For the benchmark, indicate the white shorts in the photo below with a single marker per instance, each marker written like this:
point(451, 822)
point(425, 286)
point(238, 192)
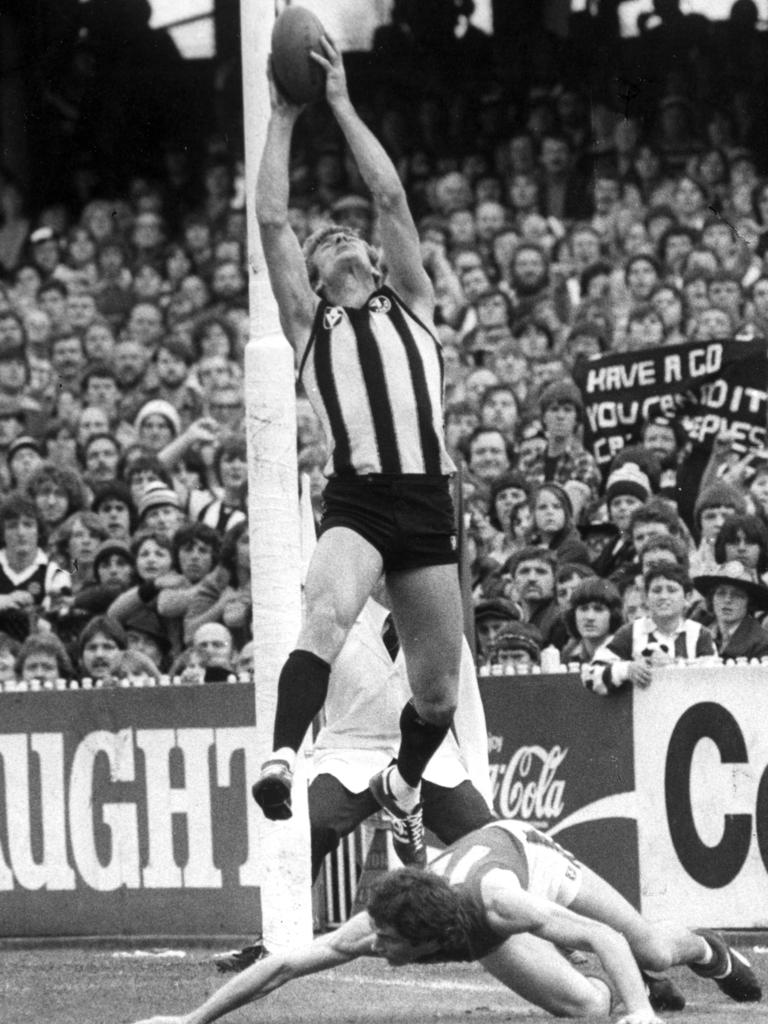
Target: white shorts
point(553, 873)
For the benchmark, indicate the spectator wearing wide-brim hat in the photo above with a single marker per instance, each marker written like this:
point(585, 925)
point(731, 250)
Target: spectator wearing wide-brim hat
point(733, 595)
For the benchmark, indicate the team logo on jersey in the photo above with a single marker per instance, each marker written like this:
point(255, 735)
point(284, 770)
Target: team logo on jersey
point(332, 317)
point(379, 304)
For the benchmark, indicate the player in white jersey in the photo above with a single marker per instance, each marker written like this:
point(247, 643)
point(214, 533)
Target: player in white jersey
point(372, 367)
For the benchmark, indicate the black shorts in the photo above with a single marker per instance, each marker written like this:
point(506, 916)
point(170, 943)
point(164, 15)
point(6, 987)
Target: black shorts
point(409, 519)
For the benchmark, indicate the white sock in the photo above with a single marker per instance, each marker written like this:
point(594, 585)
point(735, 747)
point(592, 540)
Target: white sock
point(285, 754)
point(708, 957)
point(406, 796)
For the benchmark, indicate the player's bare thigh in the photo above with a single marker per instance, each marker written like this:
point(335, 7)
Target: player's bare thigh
point(535, 970)
point(428, 614)
point(342, 572)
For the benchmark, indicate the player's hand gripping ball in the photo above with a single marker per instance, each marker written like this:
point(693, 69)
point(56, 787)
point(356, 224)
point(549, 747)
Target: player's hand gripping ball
point(295, 34)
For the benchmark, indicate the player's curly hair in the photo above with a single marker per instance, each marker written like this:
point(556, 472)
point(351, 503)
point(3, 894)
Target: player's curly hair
point(424, 907)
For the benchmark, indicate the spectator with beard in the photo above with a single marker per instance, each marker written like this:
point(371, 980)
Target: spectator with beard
point(131, 362)
point(172, 362)
point(101, 455)
point(667, 440)
point(68, 361)
point(529, 277)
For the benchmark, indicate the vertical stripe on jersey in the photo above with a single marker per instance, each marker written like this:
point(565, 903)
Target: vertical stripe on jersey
point(372, 366)
point(430, 444)
point(342, 462)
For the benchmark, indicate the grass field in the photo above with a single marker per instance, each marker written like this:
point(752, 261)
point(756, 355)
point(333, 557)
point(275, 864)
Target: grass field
point(104, 986)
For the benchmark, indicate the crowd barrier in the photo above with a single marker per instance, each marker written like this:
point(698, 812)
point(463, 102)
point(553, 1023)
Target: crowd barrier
point(127, 811)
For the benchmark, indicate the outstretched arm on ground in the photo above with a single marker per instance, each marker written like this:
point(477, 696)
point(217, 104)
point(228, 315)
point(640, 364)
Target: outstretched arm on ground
point(352, 940)
point(284, 259)
point(511, 910)
point(399, 237)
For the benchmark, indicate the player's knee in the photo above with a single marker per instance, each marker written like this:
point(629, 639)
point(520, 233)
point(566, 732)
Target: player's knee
point(654, 953)
point(438, 709)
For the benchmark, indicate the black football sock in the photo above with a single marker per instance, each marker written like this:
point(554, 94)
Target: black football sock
point(418, 742)
point(301, 692)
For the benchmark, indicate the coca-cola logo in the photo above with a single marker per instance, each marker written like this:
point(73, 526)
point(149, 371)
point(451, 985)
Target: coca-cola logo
point(526, 786)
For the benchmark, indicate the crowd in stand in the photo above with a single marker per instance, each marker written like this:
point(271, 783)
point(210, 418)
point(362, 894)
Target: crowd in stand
point(574, 232)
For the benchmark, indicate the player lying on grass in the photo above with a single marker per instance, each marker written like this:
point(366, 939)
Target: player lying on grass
point(505, 895)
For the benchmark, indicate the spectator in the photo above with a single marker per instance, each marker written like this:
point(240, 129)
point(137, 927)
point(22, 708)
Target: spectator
point(101, 456)
point(101, 646)
point(592, 618)
point(44, 657)
point(230, 467)
point(517, 647)
point(76, 542)
point(733, 596)
point(146, 634)
point(509, 514)
point(533, 577)
point(112, 503)
point(564, 460)
point(491, 616)
point(489, 454)
point(713, 506)
point(30, 584)
point(57, 492)
point(160, 510)
point(627, 489)
point(224, 595)
point(212, 643)
point(744, 538)
point(553, 525)
point(658, 638)
point(25, 457)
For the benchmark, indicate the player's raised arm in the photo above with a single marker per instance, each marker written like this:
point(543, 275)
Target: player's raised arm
point(353, 939)
point(399, 237)
point(511, 910)
point(285, 261)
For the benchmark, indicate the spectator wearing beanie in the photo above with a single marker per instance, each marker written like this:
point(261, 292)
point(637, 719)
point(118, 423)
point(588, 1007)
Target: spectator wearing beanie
point(565, 460)
point(627, 489)
point(594, 615)
point(156, 425)
point(517, 647)
point(160, 510)
point(713, 506)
